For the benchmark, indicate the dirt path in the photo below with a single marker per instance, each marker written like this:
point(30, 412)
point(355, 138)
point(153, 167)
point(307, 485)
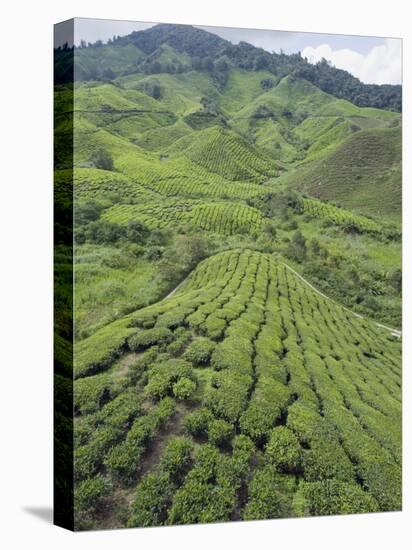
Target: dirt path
point(395, 332)
point(174, 290)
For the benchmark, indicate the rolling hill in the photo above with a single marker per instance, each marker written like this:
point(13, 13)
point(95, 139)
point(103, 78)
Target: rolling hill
point(363, 173)
point(237, 280)
point(244, 355)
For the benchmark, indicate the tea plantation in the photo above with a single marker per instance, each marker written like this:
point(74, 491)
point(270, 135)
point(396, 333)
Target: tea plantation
point(238, 285)
point(246, 394)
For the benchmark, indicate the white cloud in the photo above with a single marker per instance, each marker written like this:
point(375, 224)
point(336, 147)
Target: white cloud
point(381, 65)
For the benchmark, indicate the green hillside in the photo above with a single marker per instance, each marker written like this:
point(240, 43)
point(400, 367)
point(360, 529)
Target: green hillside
point(363, 173)
point(248, 377)
point(237, 282)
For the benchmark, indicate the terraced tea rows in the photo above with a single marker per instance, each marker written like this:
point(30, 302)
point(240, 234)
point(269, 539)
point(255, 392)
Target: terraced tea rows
point(267, 385)
point(155, 215)
point(339, 216)
point(208, 188)
point(227, 154)
point(91, 183)
point(226, 218)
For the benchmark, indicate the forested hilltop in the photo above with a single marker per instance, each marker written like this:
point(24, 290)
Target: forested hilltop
point(199, 49)
point(238, 285)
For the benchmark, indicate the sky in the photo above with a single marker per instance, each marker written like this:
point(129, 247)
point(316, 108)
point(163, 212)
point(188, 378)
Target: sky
point(374, 60)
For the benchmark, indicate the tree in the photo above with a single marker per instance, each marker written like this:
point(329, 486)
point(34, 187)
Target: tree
point(196, 63)
point(267, 83)
point(108, 74)
point(315, 247)
point(261, 62)
point(137, 232)
point(297, 247)
point(102, 159)
point(270, 229)
point(396, 280)
point(208, 64)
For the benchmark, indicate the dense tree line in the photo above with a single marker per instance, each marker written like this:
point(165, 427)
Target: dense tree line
point(209, 52)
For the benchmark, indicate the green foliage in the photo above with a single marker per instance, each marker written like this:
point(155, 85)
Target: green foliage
point(283, 450)
point(297, 249)
point(350, 223)
point(87, 212)
point(208, 493)
point(152, 499)
point(90, 492)
point(100, 232)
point(177, 457)
point(270, 495)
point(171, 376)
point(150, 337)
point(220, 432)
point(102, 159)
point(123, 460)
point(184, 388)
point(187, 151)
point(137, 232)
point(333, 497)
point(199, 351)
point(197, 422)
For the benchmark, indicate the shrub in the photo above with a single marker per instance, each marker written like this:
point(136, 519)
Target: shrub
point(220, 432)
point(137, 232)
point(92, 393)
point(214, 327)
point(283, 449)
point(326, 459)
point(184, 388)
point(266, 406)
point(149, 337)
point(89, 457)
point(172, 319)
point(103, 232)
point(228, 394)
point(199, 351)
point(267, 83)
point(87, 212)
point(121, 410)
point(157, 387)
point(270, 495)
point(123, 460)
point(331, 497)
point(203, 497)
point(102, 159)
point(152, 499)
point(164, 410)
point(233, 353)
point(200, 502)
point(297, 249)
point(197, 422)
point(164, 375)
point(89, 493)
point(177, 346)
point(176, 457)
